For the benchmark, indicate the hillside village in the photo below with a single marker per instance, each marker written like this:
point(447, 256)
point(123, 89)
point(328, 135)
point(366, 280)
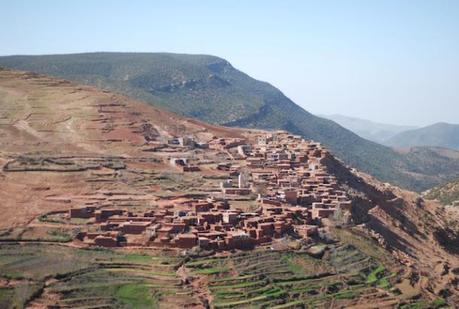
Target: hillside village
point(241, 155)
point(102, 190)
point(282, 172)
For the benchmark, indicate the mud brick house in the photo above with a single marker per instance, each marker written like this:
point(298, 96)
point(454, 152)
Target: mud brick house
point(243, 150)
point(186, 141)
point(226, 143)
point(105, 241)
point(209, 217)
point(318, 213)
point(186, 241)
point(231, 217)
point(237, 191)
point(204, 242)
point(255, 162)
point(178, 161)
point(104, 214)
point(134, 227)
point(201, 206)
point(224, 166)
point(102, 239)
point(239, 240)
point(265, 201)
point(306, 230)
point(190, 168)
point(82, 212)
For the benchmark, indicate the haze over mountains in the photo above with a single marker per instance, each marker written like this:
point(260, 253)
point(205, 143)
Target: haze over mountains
point(373, 131)
point(436, 135)
point(439, 134)
point(211, 89)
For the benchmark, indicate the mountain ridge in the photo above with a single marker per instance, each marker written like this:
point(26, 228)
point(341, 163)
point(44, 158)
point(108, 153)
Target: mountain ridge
point(440, 134)
point(374, 131)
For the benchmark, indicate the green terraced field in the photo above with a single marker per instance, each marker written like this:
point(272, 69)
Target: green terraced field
point(269, 279)
point(80, 278)
point(44, 274)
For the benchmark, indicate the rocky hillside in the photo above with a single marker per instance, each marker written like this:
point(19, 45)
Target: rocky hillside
point(438, 135)
point(211, 89)
point(422, 235)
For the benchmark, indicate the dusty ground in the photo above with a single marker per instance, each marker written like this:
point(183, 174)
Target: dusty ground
point(44, 117)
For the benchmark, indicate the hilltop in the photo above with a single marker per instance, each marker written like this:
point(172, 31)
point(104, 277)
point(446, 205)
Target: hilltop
point(211, 89)
point(438, 135)
point(84, 168)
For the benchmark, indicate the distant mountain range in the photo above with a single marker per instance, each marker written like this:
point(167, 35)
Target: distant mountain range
point(373, 131)
point(439, 135)
point(211, 89)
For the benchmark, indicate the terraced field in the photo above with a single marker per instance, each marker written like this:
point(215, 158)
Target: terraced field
point(344, 277)
point(36, 275)
point(40, 275)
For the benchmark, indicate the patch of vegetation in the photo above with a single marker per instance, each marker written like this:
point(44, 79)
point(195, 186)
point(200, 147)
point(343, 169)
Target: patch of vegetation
point(138, 258)
point(88, 277)
point(376, 274)
point(349, 294)
point(137, 296)
point(49, 219)
point(420, 304)
point(438, 303)
point(6, 297)
point(20, 294)
point(60, 235)
point(210, 271)
point(265, 279)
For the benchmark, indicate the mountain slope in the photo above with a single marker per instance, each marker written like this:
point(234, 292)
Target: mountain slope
point(73, 131)
point(438, 135)
point(210, 89)
point(72, 146)
point(447, 193)
point(373, 131)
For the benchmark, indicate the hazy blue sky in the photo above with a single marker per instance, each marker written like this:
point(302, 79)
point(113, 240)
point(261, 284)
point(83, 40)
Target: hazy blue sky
point(389, 61)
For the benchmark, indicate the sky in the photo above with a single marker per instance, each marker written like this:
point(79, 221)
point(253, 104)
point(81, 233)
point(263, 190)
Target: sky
point(392, 61)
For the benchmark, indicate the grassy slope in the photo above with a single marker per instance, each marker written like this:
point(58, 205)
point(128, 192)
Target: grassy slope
point(209, 88)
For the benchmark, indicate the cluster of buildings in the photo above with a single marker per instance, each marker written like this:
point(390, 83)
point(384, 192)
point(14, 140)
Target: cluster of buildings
point(287, 169)
point(208, 224)
point(282, 173)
